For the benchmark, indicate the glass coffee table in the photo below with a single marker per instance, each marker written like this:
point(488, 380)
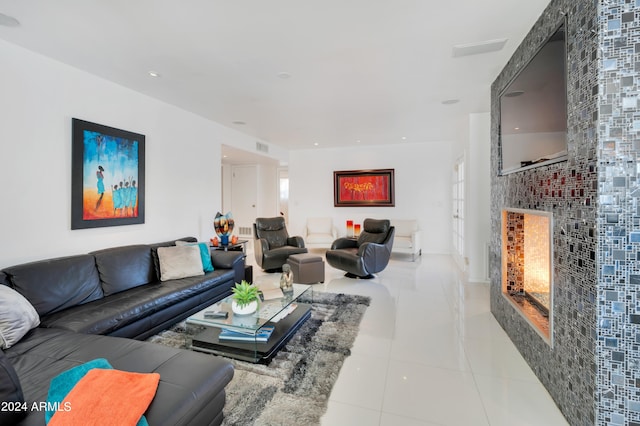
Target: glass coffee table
point(244, 336)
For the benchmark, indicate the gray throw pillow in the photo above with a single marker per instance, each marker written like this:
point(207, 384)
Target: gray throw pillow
point(179, 262)
point(17, 317)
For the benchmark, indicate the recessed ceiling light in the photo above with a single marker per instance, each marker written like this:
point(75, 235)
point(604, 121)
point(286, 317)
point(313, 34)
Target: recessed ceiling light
point(8, 21)
point(284, 75)
point(404, 138)
point(154, 74)
point(450, 101)
point(358, 141)
point(316, 144)
point(239, 122)
point(516, 128)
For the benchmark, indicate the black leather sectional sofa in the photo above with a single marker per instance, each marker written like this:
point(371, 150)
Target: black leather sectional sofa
point(99, 305)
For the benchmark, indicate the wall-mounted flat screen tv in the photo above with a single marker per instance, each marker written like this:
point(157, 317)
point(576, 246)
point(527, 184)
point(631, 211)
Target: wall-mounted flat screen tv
point(533, 110)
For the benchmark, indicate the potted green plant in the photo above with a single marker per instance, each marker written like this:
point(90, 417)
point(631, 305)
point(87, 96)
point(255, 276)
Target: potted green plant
point(245, 298)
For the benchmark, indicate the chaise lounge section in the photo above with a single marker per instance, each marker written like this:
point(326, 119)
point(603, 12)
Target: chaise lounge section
point(191, 388)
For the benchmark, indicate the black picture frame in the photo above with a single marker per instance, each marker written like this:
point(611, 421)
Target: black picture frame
point(107, 176)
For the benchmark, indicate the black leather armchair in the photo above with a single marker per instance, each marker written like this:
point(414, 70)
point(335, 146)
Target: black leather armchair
point(272, 243)
point(368, 254)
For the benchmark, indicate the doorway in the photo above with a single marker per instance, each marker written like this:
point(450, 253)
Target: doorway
point(458, 209)
point(250, 187)
point(244, 194)
point(283, 188)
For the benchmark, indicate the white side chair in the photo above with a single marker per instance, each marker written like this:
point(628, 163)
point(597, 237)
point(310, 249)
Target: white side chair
point(407, 239)
point(319, 232)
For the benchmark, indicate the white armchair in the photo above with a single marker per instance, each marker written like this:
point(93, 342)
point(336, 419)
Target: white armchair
point(319, 232)
point(407, 239)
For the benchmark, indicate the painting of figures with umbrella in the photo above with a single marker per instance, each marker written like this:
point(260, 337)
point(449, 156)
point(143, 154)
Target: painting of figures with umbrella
point(107, 176)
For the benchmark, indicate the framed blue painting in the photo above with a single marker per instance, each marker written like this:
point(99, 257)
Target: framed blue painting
point(107, 177)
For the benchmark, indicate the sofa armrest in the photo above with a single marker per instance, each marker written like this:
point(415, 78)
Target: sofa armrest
point(225, 259)
point(342, 243)
point(229, 260)
point(296, 241)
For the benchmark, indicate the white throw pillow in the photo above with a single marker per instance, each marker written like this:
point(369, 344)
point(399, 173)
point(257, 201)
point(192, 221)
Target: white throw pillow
point(17, 317)
point(179, 262)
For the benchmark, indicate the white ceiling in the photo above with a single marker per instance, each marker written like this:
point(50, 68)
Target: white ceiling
point(374, 71)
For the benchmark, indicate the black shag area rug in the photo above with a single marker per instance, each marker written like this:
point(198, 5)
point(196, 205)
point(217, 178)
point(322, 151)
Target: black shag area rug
point(294, 388)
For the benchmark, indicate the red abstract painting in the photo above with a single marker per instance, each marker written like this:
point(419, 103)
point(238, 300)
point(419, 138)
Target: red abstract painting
point(364, 188)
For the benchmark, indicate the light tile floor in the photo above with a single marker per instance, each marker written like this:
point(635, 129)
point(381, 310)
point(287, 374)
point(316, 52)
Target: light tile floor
point(430, 352)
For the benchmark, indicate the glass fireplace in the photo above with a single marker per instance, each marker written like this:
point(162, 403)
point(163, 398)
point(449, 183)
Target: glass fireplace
point(527, 270)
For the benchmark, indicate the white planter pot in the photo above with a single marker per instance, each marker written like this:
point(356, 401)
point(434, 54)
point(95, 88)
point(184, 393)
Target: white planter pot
point(244, 310)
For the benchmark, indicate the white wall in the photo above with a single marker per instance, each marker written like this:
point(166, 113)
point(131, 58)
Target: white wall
point(478, 189)
point(268, 190)
point(39, 98)
point(183, 193)
point(422, 187)
point(226, 187)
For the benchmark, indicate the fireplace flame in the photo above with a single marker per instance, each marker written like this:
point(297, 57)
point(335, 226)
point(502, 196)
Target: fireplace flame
point(537, 265)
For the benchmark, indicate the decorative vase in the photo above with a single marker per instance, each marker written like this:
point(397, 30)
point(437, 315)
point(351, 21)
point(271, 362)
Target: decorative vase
point(356, 230)
point(349, 228)
point(247, 309)
point(223, 225)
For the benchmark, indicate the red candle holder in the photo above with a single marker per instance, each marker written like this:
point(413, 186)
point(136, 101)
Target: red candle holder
point(356, 230)
point(349, 228)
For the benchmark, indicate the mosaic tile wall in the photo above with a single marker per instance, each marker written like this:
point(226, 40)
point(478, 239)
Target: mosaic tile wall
point(618, 344)
point(569, 190)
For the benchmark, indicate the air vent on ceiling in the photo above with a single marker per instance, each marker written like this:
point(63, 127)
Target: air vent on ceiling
point(262, 147)
point(478, 48)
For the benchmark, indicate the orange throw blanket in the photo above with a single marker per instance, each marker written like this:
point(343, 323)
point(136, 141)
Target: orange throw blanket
point(107, 397)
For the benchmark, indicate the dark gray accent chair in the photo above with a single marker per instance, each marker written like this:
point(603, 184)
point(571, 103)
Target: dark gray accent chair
point(272, 244)
point(367, 255)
